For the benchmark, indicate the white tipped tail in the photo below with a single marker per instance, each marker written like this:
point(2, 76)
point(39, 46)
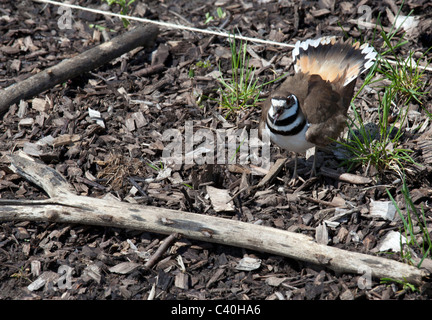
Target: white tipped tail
point(333, 60)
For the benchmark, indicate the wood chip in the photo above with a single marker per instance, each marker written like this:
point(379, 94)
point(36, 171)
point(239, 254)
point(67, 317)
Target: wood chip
point(40, 105)
point(26, 122)
point(383, 209)
point(21, 233)
point(140, 120)
point(273, 172)
point(130, 124)
point(347, 295)
point(426, 147)
point(275, 281)
point(47, 140)
point(32, 149)
point(96, 116)
point(338, 201)
point(92, 272)
point(35, 267)
point(219, 272)
point(391, 242)
point(342, 235)
point(346, 177)
point(248, 264)
point(65, 139)
point(15, 65)
point(320, 12)
point(235, 168)
point(220, 199)
point(42, 280)
point(321, 234)
point(182, 281)
point(124, 267)
point(421, 194)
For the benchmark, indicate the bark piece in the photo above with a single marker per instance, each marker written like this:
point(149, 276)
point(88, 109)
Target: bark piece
point(383, 209)
point(273, 172)
point(248, 264)
point(220, 199)
point(124, 267)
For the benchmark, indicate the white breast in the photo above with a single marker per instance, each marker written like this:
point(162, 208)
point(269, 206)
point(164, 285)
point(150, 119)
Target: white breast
point(296, 143)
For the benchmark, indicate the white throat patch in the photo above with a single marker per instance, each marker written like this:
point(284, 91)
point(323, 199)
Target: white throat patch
point(288, 112)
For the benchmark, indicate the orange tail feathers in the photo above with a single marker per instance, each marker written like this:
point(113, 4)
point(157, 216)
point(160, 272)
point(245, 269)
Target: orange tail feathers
point(333, 60)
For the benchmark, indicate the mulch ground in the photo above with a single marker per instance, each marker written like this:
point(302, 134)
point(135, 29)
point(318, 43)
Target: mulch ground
point(138, 102)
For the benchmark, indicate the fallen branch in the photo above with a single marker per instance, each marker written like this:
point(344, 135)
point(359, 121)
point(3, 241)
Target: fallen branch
point(84, 62)
point(67, 207)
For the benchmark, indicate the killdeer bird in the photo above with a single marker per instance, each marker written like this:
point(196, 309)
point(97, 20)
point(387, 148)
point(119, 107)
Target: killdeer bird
point(310, 107)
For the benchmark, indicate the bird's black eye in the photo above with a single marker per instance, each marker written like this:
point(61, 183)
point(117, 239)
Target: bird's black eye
point(291, 100)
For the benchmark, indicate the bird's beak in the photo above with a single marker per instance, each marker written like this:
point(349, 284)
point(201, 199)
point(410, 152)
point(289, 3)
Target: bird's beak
point(277, 113)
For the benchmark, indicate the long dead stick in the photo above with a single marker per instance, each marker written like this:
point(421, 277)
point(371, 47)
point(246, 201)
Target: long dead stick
point(91, 59)
point(67, 207)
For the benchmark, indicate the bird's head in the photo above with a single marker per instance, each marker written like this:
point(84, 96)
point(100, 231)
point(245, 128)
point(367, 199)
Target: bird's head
point(282, 107)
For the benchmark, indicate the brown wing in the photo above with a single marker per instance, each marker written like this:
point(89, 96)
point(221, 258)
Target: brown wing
point(321, 101)
point(325, 108)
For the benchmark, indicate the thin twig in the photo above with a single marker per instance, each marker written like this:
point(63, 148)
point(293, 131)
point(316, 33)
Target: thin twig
point(161, 250)
point(325, 203)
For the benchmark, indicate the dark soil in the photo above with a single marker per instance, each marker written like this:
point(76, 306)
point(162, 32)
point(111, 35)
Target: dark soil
point(77, 261)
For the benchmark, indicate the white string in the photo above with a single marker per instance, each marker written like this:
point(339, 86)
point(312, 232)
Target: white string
point(182, 27)
point(167, 24)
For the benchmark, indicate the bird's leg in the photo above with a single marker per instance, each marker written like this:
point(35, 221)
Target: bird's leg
point(312, 173)
point(295, 177)
point(313, 170)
